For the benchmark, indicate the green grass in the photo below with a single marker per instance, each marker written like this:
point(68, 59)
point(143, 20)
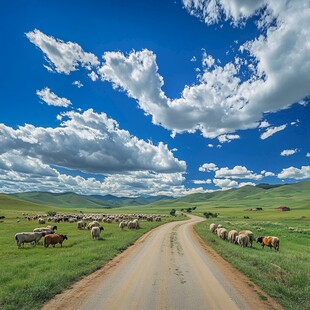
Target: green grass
point(285, 276)
point(32, 275)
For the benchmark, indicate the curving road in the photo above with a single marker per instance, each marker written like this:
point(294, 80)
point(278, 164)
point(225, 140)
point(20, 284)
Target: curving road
point(168, 268)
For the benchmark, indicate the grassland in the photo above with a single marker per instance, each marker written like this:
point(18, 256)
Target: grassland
point(32, 275)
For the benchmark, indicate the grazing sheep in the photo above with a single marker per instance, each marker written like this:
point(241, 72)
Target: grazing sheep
point(44, 229)
point(41, 220)
point(212, 228)
point(137, 223)
point(95, 232)
point(132, 225)
point(223, 233)
point(28, 237)
point(122, 225)
point(218, 231)
point(243, 240)
point(51, 227)
point(54, 239)
point(271, 242)
point(81, 224)
point(232, 235)
point(93, 224)
point(248, 233)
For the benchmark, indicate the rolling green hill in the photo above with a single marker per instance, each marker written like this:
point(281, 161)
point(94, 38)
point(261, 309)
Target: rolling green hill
point(264, 194)
point(69, 200)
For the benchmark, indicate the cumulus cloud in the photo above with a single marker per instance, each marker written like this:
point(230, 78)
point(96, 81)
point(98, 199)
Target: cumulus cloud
point(267, 173)
point(288, 152)
point(33, 174)
point(63, 57)
point(89, 142)
point(295, 173)
point(271, 131)
point(238, 172)
point(308, 154)
point(208, 167)
point(221, 102)
point(50, 98)
point(225, 183)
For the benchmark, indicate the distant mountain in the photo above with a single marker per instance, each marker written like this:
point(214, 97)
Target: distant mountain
point(264, 192)
point(69, 200)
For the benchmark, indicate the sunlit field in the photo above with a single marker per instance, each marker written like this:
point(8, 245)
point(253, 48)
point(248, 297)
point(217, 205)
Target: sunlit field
point(31, 275)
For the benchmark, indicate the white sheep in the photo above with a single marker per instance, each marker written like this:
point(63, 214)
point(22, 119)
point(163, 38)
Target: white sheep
point(95, 232)
point(249, 234)
point(28, 237)
point(41, 220)
point(223, 233)
point(81, 224)
point(232, 235)
point(93, 224)
point(243, 240)
point(212, 227)
point(122, 225)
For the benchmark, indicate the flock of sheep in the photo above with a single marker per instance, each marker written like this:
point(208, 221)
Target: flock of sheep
point(91, 222)
point(244, 238)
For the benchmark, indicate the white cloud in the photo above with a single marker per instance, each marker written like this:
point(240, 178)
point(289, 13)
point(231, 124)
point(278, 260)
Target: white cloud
point(221, 102)
point(19, 174)
point(210, 145)
point(227, 138)
point(289, 152)
point(308, 154)
point(295, 173)
point(207, 60)
point(225, 183)
point(208, 181)
point(89, 142)
point(238, 172)
point(246, 184)
point(264, 124)
point(78, 84)
point(50, 98)
point(93, 76)
point(267, 173)
point(210, 11)
point(271, 131)
point(63, 57)
point(208, 167)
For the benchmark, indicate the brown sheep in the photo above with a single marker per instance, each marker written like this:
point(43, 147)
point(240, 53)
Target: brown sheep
point(271, 242)
point(54, 239)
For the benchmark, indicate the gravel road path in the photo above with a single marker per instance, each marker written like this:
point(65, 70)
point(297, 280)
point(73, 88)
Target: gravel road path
point(168, 268)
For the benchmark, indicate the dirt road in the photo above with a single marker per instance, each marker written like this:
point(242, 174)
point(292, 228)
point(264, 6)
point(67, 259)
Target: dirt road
point(168, 268)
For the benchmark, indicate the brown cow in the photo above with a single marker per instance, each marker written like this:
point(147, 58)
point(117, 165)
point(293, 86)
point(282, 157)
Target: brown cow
point(271, 242)
point(54, 239)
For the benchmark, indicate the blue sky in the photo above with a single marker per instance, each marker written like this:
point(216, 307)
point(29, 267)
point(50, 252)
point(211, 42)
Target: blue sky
point(153, 97)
